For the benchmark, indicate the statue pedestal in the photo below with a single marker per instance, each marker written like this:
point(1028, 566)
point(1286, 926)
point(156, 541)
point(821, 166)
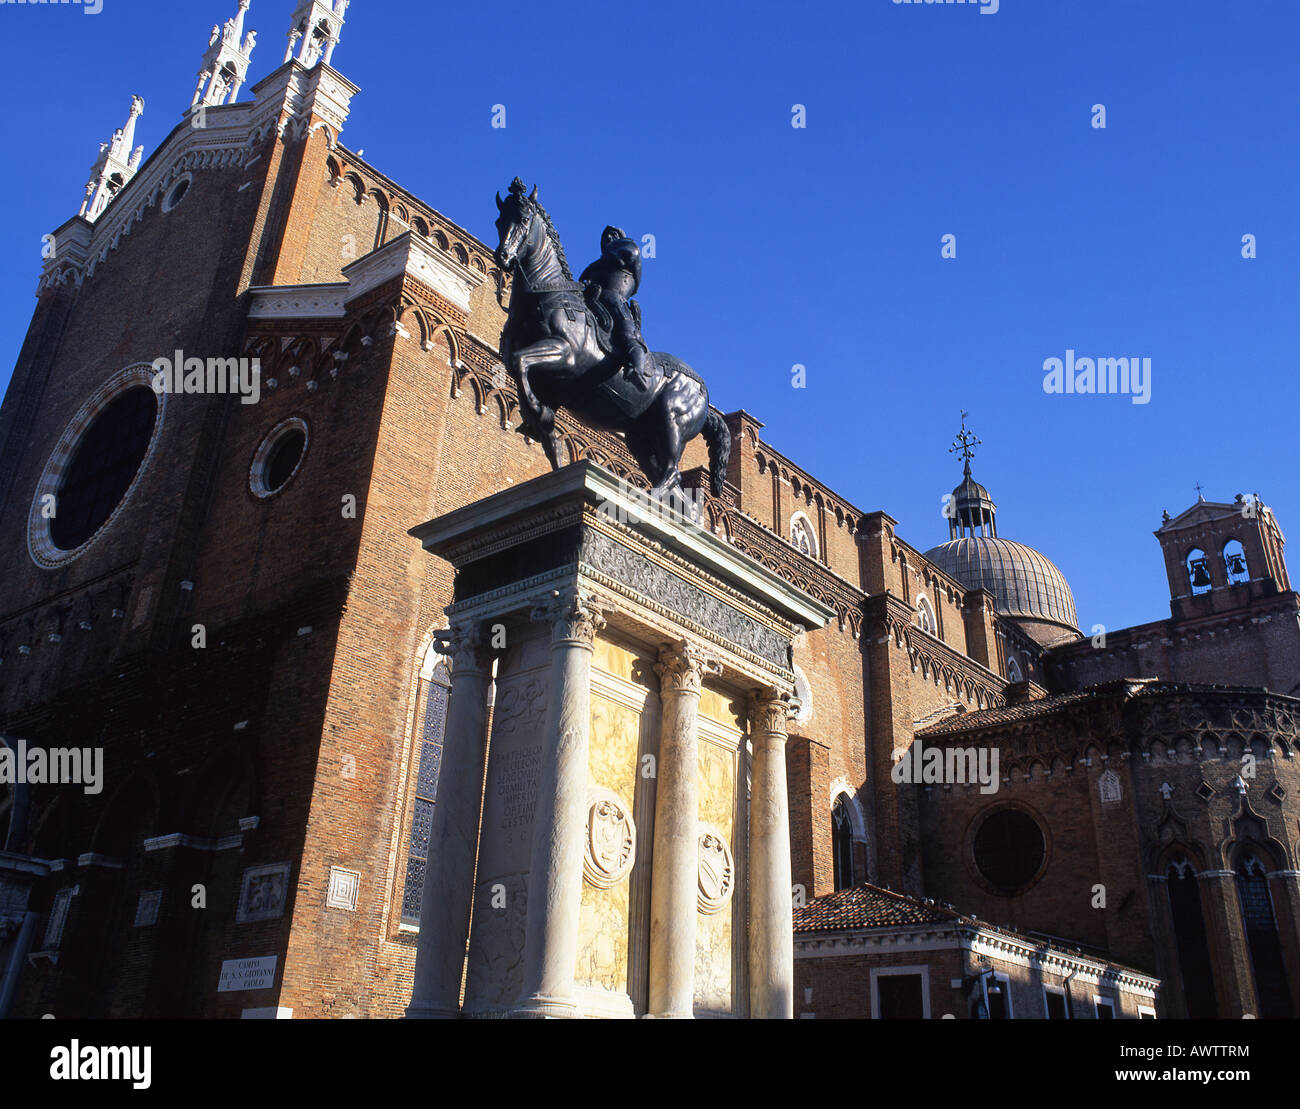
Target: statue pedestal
point(633, 784)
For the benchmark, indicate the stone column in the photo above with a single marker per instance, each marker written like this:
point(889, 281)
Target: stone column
point(1284, 888)
point(1226, 935)
point(448, 897)
point(676, 859)
point(555, 872)
point(771, 914)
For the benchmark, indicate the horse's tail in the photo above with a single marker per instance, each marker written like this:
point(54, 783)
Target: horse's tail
point(718, 436)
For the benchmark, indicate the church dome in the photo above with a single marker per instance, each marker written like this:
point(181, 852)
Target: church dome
point(1026, 587)
point(1024, 584)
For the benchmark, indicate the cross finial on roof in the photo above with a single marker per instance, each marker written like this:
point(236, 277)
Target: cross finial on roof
point(965, 443)
point(1199, 495)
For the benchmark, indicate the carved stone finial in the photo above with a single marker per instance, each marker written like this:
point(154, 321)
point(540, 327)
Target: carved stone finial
point(317, 27)
point(115, 166)
point(225, 63)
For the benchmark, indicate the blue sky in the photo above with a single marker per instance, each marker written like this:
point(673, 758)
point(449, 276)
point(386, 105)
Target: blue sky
point(821, 245)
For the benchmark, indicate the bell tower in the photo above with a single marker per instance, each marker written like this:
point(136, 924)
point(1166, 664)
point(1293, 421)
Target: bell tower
point(1221, 556)
point(317, 26)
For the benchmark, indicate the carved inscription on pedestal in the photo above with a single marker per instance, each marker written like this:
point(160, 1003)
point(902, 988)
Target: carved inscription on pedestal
point(516, 786)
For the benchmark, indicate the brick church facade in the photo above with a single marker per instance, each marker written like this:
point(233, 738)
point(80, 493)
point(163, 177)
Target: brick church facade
point(215, 586)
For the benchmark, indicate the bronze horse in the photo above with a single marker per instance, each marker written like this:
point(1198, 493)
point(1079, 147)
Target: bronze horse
point(550, 346)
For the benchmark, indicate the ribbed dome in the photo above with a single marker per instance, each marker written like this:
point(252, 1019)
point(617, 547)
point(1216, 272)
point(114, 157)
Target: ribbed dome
point(1022, 581)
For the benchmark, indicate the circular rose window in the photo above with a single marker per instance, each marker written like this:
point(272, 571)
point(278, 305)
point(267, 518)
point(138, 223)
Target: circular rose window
point(278, 458)
point(1009, 850)
point(95, 466)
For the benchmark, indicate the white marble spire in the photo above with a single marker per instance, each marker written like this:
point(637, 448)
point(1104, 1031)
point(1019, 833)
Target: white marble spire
point(225, 64)
point(317, 25)
point(115, 166)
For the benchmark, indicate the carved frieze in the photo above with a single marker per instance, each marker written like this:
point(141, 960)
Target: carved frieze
point(654, 581)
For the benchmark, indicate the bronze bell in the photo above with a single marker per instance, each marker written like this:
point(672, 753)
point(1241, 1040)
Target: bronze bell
point(1236, 564)
point(1200, 574)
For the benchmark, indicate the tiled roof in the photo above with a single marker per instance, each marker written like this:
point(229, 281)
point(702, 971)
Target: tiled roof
point(868, 906)
point(1120, 689)
point(1028, 710)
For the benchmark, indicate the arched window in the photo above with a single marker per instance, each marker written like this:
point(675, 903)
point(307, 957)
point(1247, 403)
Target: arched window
point(925, 615)
point(1013, 671)
point(1190, 939)
point(802, 534)
point(1261, 937)
point(431, 724)
point(1198, 571)
point(1234, 562)
point(842, 842)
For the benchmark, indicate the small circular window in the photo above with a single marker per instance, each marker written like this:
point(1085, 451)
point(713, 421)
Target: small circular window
point(177, 193)
point(94, 467)
point(1009, 849)
point(278, 458)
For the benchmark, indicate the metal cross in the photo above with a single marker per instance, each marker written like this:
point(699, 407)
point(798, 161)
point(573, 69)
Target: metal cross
point(965, 443)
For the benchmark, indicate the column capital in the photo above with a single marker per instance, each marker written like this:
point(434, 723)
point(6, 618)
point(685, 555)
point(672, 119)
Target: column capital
point(574, 619)
point(466, 645)
point(769, 712)
point(683, 665)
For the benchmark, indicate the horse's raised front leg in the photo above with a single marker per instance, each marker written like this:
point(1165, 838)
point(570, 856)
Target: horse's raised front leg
point(539, 419)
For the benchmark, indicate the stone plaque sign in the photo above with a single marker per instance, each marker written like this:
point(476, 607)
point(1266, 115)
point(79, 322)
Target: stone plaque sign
point(247, 974)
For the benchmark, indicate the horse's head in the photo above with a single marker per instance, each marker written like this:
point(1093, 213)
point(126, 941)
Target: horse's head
point(515, 223)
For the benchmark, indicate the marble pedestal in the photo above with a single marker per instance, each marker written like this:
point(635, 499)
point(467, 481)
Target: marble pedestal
point(591, 855)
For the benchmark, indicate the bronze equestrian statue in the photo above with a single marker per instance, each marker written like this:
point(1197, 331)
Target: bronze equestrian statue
point(581, 349)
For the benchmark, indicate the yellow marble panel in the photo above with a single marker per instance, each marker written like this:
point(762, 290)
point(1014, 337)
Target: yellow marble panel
point(603, 933)
point(716, 706)
point(713, 938)
point(613, 659)
point(718, 787)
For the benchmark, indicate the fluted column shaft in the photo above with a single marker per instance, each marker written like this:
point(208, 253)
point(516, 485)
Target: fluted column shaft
point(448, 898)
point(771, 914)
point(555, 881)
point(676, 858)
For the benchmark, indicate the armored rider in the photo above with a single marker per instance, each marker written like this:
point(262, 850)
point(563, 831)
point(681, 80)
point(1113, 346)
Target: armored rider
point(614, 279)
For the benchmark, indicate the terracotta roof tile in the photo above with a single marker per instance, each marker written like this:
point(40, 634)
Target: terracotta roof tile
point(868, 906)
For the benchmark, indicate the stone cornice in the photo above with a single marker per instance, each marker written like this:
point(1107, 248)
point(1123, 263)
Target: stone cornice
point(405, 256)
point(978, 940)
